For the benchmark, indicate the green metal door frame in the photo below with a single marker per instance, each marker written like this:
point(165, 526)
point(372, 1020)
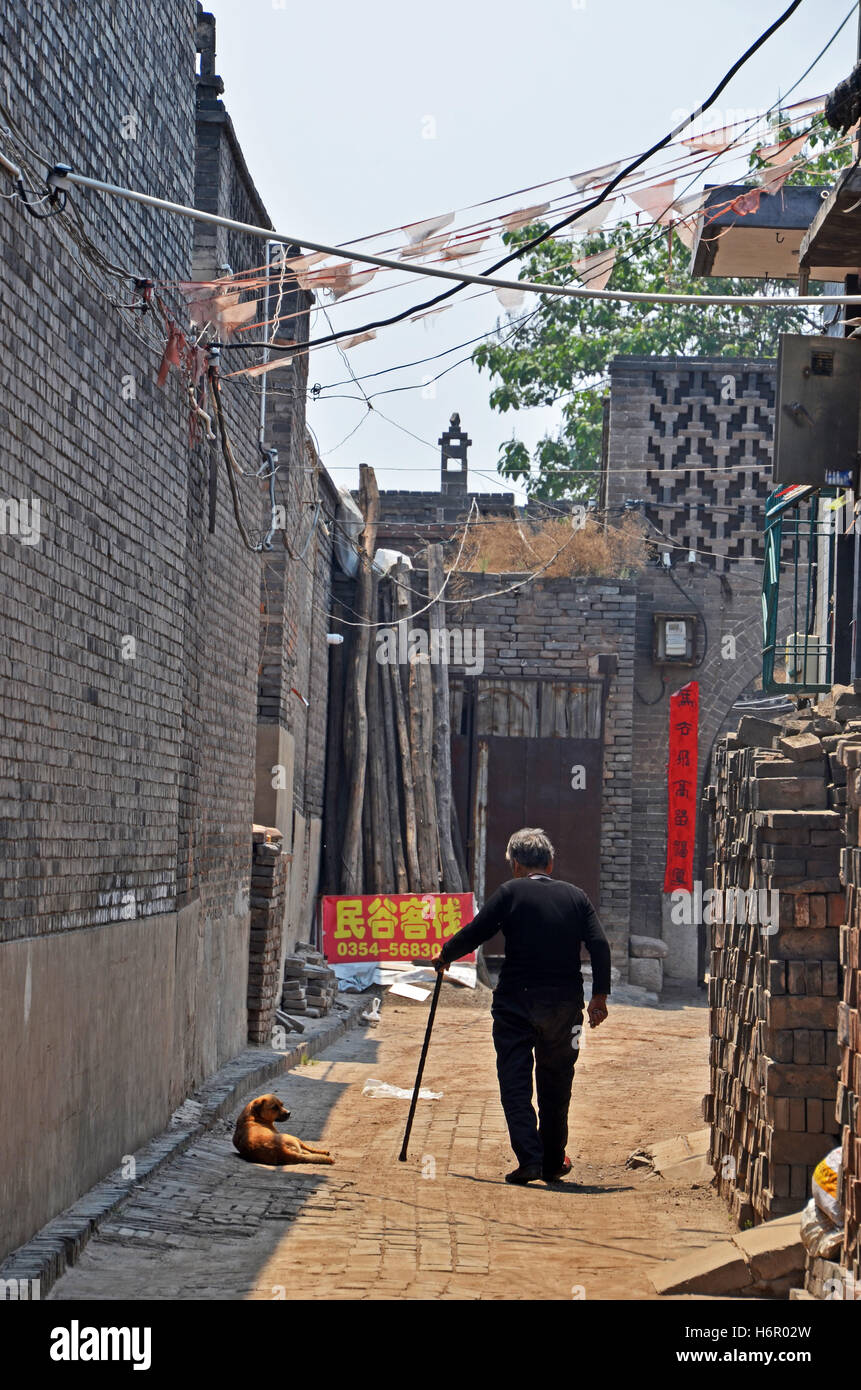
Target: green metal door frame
point(794, 522)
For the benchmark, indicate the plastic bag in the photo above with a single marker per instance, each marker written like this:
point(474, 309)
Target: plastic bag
point(820, 1238)
point(826, 1184)
point(381, 1090)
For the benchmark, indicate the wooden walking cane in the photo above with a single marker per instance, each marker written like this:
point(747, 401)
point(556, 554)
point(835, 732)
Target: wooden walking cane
point(402, 1156)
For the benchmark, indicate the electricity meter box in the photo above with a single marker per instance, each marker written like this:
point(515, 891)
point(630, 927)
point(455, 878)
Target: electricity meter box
point(816, 417)
point(673, 639)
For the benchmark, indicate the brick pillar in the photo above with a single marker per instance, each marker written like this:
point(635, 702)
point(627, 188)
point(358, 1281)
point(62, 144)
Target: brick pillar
point(848, 1108)
point(268, 897)
point(773, 986)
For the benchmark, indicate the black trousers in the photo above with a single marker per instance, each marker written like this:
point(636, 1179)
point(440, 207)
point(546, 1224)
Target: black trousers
point(539, 1027)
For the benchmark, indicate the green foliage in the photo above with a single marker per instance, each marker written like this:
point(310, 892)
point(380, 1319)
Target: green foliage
point(560, 351)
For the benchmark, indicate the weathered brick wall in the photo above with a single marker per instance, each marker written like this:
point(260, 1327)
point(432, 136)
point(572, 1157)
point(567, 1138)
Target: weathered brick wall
point(786, 1046)
point(293, 683)
point(689, 445)
point(558, 628)
point(774, 978)
point(848, 1108)
point(94, 741)
point(728, 650)
point(295, 574)
point(126, 792)
point(408, 520)
point(295, 606)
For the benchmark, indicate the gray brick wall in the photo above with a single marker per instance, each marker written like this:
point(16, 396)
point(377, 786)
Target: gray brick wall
point(126, 785)
point(94, 743)
point(700, 466)
point(557, 628)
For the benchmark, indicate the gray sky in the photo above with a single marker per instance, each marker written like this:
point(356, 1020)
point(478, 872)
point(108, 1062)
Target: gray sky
point(358, 119)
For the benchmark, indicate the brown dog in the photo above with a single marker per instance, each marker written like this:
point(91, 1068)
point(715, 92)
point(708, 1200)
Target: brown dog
point(257, 1139)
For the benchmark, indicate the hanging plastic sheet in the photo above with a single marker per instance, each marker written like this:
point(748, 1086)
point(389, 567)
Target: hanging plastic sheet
point(232, 318)
point(508, 298)
point(359, 338)
point(458, 250)
point(604, 171)
point(782, 152)
point(596, 270)
point(593, 219)
point(261, 368)
point(713, 142)
point(423, 249)
point(773, 181)
point(420, 231)
point(686, 216)
point(656, 200)
point(513, 221)
point(354, 282)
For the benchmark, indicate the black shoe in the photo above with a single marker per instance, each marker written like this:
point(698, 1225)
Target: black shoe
point(521, 1176)
point(559, 1172)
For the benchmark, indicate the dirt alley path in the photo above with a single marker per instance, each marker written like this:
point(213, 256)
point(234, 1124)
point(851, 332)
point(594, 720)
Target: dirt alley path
point(443, 1225)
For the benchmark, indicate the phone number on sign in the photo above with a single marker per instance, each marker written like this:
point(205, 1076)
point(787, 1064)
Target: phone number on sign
point(402, 948)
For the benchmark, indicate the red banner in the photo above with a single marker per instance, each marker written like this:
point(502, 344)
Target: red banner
point(400, 927)
point(682, 787)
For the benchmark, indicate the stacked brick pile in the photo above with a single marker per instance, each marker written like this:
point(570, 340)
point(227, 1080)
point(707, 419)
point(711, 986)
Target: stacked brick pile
point(773, 987)
point(848, 1107)
point(268, 900)
point(310, 985)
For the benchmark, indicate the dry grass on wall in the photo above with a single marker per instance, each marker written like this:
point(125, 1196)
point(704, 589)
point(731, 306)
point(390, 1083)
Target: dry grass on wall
point(505, 546)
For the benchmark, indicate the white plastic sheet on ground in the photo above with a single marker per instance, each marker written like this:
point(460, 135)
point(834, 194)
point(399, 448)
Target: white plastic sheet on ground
point(381, 1090)
point(409, 991)
point(360, 975)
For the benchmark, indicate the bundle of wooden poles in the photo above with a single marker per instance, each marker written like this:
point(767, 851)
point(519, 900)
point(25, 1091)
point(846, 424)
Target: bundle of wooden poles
point(391, 822)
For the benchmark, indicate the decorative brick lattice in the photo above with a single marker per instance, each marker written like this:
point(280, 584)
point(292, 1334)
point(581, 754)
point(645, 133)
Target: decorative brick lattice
point(709, 459)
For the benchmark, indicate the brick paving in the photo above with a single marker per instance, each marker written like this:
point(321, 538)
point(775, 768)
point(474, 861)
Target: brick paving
point(443, 1225)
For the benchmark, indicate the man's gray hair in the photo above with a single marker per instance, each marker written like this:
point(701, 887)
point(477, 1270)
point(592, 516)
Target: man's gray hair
point(529, 847)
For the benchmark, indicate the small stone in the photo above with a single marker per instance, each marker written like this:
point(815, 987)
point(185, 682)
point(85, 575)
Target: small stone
point(648, 947)
point(718, 1269)
point(800, 748)
point(774, 1249)
point(647, 973)
point(757, 733)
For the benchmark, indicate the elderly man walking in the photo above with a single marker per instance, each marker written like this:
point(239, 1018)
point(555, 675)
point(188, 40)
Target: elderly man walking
point(538, 1003)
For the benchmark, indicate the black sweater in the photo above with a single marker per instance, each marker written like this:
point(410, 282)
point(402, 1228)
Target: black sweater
point(544, 921)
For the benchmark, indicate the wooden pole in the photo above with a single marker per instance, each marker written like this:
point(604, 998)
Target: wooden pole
point(369, 501)
point(421, 743)
point(451, 875)
point(334, 764)
point(378, 845)
point(392, 771)
point(410, 827)
point(457, 842)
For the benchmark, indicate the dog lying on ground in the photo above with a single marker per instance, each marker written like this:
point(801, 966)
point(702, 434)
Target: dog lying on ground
point(257, 1139)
